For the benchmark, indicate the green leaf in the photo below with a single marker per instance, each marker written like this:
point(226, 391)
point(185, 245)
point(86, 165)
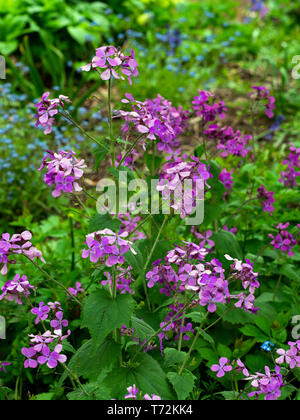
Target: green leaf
point(196, 316)
point(226, 243)
point(289, 272)
point(207, 338)
point(146, 374)
point(253, 331)
point(238, 316)
point(183, 384)
point(104, 221)
point(102, 314)
point(90, 392)
point(87, 364)
point(141, 329)
point(173, 357)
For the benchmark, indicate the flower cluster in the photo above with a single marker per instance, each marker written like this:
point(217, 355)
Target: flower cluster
point(291, 356)
point(269, 383)
point(113, 63)
point(184, 182)
point(156, 119)
point(16, 289)
point(129, 225)
point(178, 326)
point(129, 160)
point(133, 392)
point(262, 93)
point(17, 244)
point(226, 178)
point(267, 198)
point(47, 109)
point(47, 348)
point(108, 247)
point(124, 280)
point(283, 240)
point(244, 272)
point(230, 142)
point(289, 175)
point(205, 107)
point(64, 170)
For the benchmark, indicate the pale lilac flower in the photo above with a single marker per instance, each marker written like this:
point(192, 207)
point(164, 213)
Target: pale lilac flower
point(47, 109)
point(77, 290)
point(58, 323)
point(3, 366)
point(153, 397)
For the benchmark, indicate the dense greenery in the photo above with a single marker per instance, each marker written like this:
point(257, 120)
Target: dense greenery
point(124, 330)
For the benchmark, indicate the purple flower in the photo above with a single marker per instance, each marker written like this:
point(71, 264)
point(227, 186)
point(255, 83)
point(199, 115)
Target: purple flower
point(41, 312)
point(283, 240)
point(153, 397)
point(3, 366)
point(47, 109)
point(16, 244)
point(222, 368)
point(268, 196)
point(15, 289)
point(114, 63)
point(230, 142)
point(78, 289)
point(290, 174)
point(64, 170)
point(262, 93)
point(206, 108)
point(58, 323)
point(52, 358)
point(156, 119)
point(226, 178)
point(290, 356)
point(29, 354)
point(132, 392)
point(108, 247)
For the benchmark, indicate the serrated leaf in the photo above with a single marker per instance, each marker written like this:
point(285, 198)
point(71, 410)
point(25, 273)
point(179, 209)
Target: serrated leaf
point(183, 384)
point(141, 329)
point(88, 364)
point(173, 357)
point(147, 375)
point(102, 314)
point(104, 221)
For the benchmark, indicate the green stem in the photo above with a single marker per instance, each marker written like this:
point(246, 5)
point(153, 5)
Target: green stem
point(113, 153)
point(149, 259)
point(193, 345)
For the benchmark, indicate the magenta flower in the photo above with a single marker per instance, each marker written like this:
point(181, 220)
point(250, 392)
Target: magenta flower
point(3, 366)
point(262, 93)
point(41, 312)
point(283, 240)
point(64, 170)
point(206, 108)
point(16, 289)
point(29, 354)
point(78, 289)
point(108, 247)
point(47, 109)
point(153, 397)
point(291, 173)
point(16, 244)
point(52, 358)
point(222, 368)
point(267, 198)
point(132, 392)
point(226, 178)
point(58, 323)
point(114, 63)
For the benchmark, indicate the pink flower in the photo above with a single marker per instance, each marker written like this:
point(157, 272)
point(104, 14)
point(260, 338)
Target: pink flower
point(222, 368)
